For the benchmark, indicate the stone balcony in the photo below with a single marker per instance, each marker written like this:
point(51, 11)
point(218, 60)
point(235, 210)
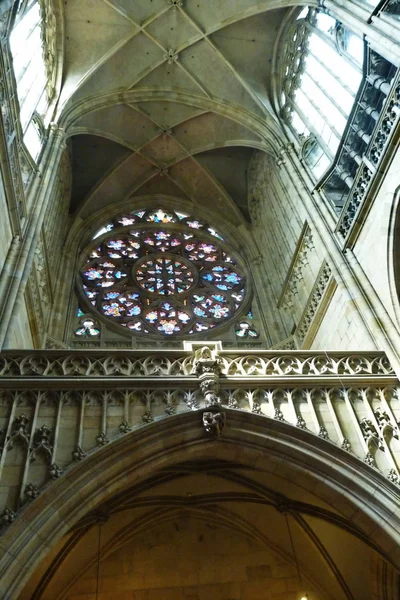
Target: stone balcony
point(59, 406)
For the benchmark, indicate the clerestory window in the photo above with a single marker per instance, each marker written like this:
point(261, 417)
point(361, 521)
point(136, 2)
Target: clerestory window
point(321, 77)
point(31, 73)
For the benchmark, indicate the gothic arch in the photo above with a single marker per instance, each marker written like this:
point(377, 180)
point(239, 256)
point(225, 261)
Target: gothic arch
point(346, 494)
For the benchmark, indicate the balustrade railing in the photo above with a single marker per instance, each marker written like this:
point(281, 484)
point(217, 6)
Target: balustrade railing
point(56, 407)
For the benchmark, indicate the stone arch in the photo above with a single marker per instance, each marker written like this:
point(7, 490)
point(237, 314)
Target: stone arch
point(360, 501)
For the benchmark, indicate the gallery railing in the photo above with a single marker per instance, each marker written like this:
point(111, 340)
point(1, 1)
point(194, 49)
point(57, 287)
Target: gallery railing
point(58, 406)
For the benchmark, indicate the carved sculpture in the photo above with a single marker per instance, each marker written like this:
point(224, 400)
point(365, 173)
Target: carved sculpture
point(214, 423)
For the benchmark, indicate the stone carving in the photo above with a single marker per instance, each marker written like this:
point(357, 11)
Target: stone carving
point(49, 39)
point(314, 302)
point(58, 364)
point(175, 4)
point(288, 344)
point(258, 175)
point(214, 423)
point(78, 454)
point(323, 433)
point(369, 460)
point(19, 432)
point(171, 57)
point(370, 434)
point(393, 476)
point(301, 423)
point(102, 439)
point(125, 427)
point(55, 471)
point(295, 273)
point(256, 408)
point(191, 401)
point(147, 417)
point(31, 491)
point(207, 366)
point(8, 516)
point(346, 445)
point(246, 382)
point(41, 443)
point(278, 415)
point(387, 429)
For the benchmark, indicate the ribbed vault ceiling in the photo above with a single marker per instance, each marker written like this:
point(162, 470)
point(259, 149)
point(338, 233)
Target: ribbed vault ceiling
point(170, 97)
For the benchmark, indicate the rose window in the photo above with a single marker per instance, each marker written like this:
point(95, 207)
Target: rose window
point(160, 272)
point(164, 275)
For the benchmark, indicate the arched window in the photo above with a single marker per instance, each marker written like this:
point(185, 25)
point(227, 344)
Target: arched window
point(159, 272)
point(32, 72)
point(321, 76)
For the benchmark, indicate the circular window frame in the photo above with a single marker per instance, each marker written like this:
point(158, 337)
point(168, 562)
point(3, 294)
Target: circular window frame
point(201, 235)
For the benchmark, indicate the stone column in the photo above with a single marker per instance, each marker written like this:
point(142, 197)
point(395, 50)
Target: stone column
point(19, 262)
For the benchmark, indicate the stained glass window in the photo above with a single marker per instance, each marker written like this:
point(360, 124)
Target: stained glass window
point(244, 330)
point(161, 216)
point(162, 272)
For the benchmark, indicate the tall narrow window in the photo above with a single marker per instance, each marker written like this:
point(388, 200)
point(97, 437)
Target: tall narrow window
point(320, 81)
point(30, 73)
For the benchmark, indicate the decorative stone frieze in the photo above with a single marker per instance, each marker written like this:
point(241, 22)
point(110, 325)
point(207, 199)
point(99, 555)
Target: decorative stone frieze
point(19, 366)
point(296, 268)
point(314, 302)
point(49, 40)
point(258, 180)
point(72, 402)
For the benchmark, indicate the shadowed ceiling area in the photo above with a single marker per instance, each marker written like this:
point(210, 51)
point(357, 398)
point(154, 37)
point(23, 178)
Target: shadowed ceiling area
point(168, 97)
point(209, 530)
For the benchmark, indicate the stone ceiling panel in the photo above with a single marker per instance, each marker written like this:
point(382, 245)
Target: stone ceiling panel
point(130, 175)
point(162, 185)
point(173, 29)
point(209, 130)
point(216, 77)
point(153, 58)
point(124, 69)
point(204, 189)
point(92, 29)
point(163, 150)
point(170, 77)
point(141, 10)
point(254, 61)
point(123, 122)
point(229, 166)
point(169, 114)
point(92, 158)
point(218, 13)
